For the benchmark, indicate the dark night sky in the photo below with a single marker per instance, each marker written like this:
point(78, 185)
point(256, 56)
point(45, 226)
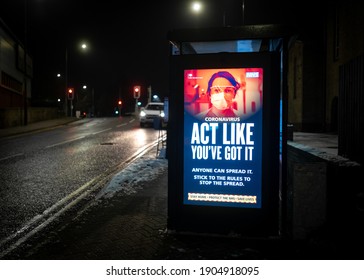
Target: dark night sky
point(127, 40)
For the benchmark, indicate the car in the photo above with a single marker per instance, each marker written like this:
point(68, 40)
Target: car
point(150, 112)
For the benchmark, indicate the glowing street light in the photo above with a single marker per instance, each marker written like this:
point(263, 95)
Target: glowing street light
point(92, 109)
point(83, 46)
point(196, 7)
point(156, 98)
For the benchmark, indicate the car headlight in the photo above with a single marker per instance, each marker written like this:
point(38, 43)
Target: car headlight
point(142, 114)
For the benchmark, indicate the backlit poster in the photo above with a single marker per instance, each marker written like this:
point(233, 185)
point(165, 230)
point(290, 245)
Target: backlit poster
point(223, 128)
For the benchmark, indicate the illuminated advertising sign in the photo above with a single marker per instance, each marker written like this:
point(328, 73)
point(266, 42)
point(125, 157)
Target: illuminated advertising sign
point(223, 143)
point(223, 115)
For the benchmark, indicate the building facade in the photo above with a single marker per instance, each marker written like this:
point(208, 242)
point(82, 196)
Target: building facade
point(326, 74)
point(15, 79)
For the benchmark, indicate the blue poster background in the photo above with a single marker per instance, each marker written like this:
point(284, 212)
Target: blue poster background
point(251, 179)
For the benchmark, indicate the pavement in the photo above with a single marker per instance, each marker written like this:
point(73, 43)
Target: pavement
point(134, 227)
point(36, 126)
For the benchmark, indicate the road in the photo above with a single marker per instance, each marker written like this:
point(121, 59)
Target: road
point(47, 172)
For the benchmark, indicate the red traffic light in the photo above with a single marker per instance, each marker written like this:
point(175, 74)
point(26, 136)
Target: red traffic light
point(120, 102)
point(136, 91)
point(70, 93)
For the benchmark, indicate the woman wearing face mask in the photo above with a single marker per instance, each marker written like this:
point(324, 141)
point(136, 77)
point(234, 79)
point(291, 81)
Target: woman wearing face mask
point(221, 90)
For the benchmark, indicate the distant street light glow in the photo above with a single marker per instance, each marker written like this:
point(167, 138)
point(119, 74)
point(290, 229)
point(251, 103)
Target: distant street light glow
point(196, 7)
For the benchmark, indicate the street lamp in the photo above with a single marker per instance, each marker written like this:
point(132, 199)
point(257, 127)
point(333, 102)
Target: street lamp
point(83, 46)
point(156, 98)
point(196, 7)
point(92, 110)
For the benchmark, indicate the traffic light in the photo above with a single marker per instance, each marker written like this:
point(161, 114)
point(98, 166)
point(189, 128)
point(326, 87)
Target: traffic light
point(136, 91)
point(70, 93)
point(120, 103)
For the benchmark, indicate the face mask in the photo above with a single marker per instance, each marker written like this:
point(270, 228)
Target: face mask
point(218, 100)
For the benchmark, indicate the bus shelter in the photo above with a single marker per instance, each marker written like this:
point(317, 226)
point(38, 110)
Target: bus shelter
point(227, 130)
